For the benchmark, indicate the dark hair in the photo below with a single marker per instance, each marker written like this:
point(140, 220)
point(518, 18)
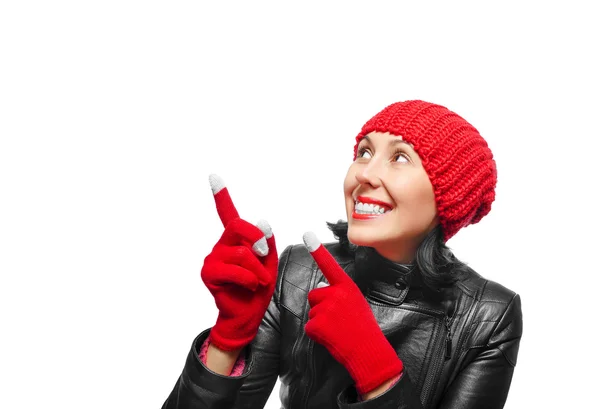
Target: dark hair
point(438, 266)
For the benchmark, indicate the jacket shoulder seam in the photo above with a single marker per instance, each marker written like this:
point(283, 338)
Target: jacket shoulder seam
point(478, 306)
point(462, 339)
point(502, 317)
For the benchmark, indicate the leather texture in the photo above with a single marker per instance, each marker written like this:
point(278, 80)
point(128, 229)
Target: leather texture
point(459, 346)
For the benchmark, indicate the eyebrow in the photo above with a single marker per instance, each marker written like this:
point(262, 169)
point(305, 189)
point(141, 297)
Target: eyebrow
point(392, 142)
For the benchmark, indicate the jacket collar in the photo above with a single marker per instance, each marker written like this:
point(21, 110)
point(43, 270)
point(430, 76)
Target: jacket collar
point(384, 279)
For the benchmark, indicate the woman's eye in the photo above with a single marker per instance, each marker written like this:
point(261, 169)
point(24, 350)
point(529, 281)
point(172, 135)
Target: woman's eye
point(401, 156)
point(362, 152)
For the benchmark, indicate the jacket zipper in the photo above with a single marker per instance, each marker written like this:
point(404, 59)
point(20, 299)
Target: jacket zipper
point(448, 339)
point(445, 352)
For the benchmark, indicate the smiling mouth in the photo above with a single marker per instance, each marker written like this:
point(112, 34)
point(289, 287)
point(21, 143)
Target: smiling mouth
point(370, 206)
point(365, 211)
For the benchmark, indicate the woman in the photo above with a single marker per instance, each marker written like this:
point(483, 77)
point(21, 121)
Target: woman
point(386, 316)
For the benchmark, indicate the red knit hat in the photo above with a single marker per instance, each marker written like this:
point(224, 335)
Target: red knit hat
point(455, 156)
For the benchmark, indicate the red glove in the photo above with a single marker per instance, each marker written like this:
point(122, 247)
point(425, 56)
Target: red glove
point(240, 273)
point(341, 320)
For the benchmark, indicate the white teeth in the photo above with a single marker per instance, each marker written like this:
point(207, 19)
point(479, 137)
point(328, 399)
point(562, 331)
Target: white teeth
point(368, 208)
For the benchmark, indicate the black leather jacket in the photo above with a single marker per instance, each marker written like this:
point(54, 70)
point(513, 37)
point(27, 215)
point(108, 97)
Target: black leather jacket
point(459, 346)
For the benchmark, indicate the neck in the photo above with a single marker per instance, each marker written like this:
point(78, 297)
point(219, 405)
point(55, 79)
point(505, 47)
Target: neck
point(397, 254)
point(404, 252)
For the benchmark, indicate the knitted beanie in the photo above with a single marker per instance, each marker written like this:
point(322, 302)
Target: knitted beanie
point(455, 156)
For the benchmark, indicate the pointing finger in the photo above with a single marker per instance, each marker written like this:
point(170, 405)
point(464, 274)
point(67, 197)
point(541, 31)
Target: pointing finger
point(225, 207)
point(330, 268)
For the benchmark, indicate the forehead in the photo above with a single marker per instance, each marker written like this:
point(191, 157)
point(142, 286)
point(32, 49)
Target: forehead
point(385, 138)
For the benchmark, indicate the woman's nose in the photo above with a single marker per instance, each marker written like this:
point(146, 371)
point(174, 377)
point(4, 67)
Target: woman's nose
point(368, 174)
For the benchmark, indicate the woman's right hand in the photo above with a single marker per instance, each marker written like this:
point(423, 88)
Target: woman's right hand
point(240, 272)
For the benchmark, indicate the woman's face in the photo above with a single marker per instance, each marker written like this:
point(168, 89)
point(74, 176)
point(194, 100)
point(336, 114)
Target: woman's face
point(388, 172)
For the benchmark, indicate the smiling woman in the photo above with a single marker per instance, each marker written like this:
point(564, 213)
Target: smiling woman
point(386, 316)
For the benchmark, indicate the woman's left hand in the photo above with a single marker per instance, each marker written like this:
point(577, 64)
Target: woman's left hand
point(341, 320)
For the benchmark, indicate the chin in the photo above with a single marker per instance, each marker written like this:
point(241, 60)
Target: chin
point(363, 238)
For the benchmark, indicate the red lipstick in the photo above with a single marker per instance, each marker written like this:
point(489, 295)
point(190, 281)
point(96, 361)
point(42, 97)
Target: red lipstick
point(361, 216)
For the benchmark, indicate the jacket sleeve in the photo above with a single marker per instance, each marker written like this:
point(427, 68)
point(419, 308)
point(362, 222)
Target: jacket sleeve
point(483, 383)
point(199, 387)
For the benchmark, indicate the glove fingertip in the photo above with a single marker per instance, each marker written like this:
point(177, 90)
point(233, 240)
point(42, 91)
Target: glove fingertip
point(265, 227)
point(311, 241)
point(261, 247)
point(216, 183)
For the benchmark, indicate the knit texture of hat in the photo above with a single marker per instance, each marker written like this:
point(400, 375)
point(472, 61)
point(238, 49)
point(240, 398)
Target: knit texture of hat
point(455, 156)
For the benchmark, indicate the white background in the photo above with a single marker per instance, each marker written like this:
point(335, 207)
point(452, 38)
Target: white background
point(114, 113)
